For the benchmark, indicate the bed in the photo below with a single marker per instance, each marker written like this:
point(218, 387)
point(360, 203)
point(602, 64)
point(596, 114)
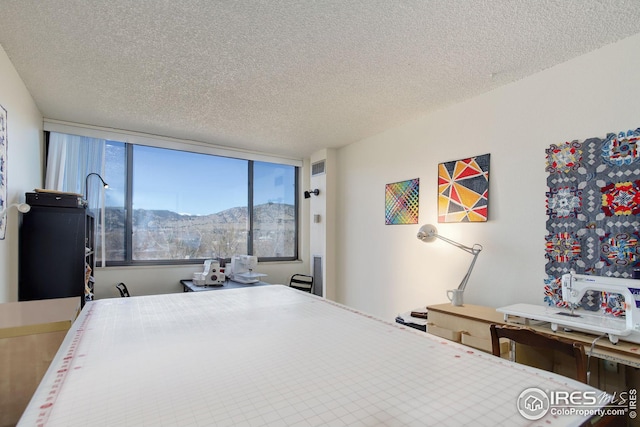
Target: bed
point(272, 356)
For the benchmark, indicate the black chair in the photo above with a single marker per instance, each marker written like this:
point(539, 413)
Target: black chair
point(301, 282)
point(124, 292)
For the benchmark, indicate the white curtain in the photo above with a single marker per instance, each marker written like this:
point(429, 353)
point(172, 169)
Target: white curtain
point(70, 160)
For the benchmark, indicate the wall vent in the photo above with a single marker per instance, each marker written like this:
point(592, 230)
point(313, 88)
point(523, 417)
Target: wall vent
point(317, 275)
point(317, 168)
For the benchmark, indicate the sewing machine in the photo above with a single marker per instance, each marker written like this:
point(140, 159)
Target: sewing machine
point(213, 274)
point(241, 269)
point(574, 287)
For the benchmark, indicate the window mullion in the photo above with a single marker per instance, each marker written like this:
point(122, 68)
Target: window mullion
point(128, 234)
point(250, 208)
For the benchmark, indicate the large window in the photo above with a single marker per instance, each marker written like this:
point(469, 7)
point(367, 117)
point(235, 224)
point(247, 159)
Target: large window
point(171, 206)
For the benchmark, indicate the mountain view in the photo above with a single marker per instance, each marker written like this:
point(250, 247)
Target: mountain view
point(162, 234)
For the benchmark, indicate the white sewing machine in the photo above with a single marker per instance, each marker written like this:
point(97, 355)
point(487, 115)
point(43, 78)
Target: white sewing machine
point(241, 269)
point(574, 286)
point(213, 274)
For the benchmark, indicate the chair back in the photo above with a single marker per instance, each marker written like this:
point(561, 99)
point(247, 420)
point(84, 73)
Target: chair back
point(540, 340)
point(122, 288)
point(301, 282)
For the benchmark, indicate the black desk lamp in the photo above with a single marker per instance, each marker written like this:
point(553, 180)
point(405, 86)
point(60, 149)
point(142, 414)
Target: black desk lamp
point(86, 184)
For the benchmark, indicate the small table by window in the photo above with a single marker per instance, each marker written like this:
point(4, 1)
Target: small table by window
point(188, 286)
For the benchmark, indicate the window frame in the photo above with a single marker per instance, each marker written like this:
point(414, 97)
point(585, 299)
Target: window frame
point(128, 237)
point(135, 138)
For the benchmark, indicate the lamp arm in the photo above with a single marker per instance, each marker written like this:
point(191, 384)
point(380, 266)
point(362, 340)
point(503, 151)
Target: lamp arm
point(465, 279)
point(472, 250)
point(475, 250)
point(86, 184)
point(429, 232)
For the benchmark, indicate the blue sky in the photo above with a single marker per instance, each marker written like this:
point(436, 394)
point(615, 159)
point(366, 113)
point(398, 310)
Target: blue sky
point(192, 183)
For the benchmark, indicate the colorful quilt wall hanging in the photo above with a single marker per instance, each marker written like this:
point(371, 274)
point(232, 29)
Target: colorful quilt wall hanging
point(463, 190)
point(593, 214)
point(402, 202)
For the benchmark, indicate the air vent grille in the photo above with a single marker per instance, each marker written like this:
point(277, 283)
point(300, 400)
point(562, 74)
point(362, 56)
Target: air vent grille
point(317, 168)
point(317, 275)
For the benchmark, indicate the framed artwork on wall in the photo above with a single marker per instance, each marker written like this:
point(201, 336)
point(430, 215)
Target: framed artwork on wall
point(402, 202)
point(3, 169)
point(463, 190)
point(593, 214)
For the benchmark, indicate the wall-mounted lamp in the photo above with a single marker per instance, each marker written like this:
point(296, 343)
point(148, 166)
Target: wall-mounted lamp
point(308, 193)
point(22, 207)
point(86, 184)
point(428, 233)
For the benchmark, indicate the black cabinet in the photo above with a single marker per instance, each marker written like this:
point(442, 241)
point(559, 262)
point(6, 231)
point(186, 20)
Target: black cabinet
point(56, 253)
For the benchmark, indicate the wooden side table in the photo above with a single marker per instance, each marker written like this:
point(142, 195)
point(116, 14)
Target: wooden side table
point(467, 324)
point(30, 334)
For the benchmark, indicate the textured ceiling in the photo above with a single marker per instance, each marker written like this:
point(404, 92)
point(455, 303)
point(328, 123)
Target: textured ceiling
point(287, 77)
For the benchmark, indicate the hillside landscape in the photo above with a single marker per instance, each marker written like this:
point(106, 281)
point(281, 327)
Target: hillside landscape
point(163, 234)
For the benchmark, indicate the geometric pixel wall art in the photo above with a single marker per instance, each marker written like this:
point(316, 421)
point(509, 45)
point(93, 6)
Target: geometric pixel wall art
point(402, 202)
point(593, 212)
point(463, 190)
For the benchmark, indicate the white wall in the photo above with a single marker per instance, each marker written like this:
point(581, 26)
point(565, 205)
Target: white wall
point(24, 165)
point(384, 269)
point(323, 205)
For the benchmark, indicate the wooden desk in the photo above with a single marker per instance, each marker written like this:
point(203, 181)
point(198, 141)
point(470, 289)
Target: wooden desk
point(188, 286)
point(30, 334)
point(467, 324)
point(615, 368)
